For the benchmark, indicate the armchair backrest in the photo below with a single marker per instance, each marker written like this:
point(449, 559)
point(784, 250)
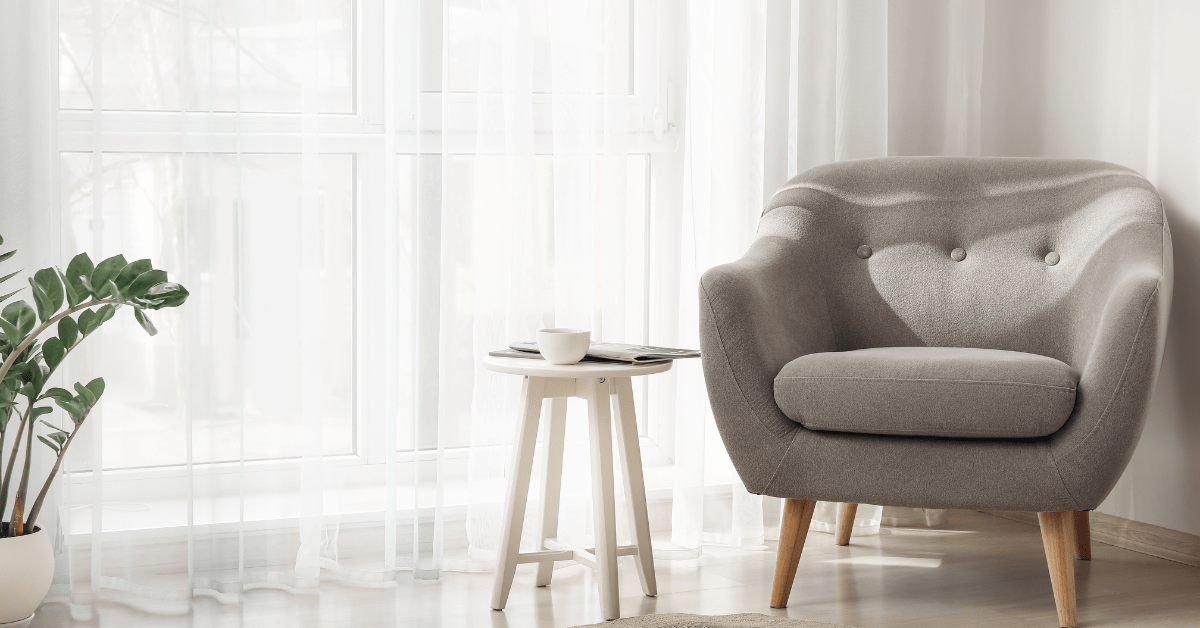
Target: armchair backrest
point(1003, 253)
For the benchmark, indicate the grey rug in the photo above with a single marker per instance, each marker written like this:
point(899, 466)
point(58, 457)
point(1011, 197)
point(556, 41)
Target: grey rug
point(683, 620)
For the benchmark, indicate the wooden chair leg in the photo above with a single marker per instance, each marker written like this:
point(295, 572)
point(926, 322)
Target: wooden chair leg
point(797, 515)
point(1056, 529)
point(1083, 535)
point(846, 523)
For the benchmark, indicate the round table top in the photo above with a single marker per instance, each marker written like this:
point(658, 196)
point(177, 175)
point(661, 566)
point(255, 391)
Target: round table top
point(537, 367)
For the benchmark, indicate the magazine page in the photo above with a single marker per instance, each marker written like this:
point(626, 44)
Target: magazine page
point(534, 355)
point(628, 353)
point(635, 352)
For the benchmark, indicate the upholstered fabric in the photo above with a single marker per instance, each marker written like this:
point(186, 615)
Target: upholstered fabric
point(948, 392)
point(805, 286)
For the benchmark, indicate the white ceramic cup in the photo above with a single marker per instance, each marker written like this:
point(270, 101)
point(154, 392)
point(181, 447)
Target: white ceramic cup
point(563, 345)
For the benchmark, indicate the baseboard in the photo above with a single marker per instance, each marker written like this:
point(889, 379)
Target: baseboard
point(1172, 545)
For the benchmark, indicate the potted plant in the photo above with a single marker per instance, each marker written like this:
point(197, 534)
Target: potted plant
point(34, 341)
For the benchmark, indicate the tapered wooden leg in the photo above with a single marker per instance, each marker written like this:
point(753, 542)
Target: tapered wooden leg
point(1083, 535)
point(797, 515)
point(518, 490)
point(603, 500)
point(552, 482)
point(1056, 530)
point(846, 522)
point(635, 487)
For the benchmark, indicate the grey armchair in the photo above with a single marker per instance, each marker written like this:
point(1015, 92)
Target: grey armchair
point(977, 333)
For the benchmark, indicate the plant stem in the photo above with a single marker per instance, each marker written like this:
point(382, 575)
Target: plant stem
point(12, 357)
point(5, 483)
point(17, 527)
point(62, 452)
point(12, 459)
point(4, 497)
point(23, 488)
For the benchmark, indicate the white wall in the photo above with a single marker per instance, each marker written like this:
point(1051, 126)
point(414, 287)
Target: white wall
point(1119, 81)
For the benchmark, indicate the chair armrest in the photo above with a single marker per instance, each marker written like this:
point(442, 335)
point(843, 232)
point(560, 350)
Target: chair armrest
point(1123, 353)
point(756, 315)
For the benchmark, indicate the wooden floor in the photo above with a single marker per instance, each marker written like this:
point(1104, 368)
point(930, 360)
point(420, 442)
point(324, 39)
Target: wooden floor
point(977, 570)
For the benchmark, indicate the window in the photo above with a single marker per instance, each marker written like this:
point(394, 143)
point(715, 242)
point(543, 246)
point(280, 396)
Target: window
point(181, 139)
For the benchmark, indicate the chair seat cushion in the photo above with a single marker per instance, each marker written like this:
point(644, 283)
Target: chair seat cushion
point(928, 391)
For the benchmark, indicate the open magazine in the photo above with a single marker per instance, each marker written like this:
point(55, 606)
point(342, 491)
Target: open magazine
point(606, 352)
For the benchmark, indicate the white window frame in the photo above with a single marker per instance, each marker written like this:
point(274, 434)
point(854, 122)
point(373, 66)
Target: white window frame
point(652, 131)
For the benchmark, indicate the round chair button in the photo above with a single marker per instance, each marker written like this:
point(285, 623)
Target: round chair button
point(1051, 258)
point(958, 255)
point(864, 251)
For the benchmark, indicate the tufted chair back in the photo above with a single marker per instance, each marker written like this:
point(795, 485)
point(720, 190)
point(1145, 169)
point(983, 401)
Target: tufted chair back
point(1000, 253)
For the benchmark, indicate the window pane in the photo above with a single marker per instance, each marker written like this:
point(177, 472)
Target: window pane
point(157, 59)
point(464, 43)
point(228, 360)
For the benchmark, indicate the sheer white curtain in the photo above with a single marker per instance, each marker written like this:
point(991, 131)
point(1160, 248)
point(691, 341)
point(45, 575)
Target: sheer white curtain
point(365, 197)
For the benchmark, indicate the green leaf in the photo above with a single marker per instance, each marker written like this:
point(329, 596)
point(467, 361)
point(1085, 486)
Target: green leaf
point(39, 411)
point(29, 351)
point(104, 313)
point(68, 331)
point(79, 268)
point(5, 297)
point(42, 301)
point(58, 394)
point(9, 276)
point(87, 286)
point(87, 322)
point(48, 443)
point(114, 291)
point(17, 373)
point(143, 321)
point(145, 282)
point(73, 408)
point(53, 351)
point(165, 295)
point(48, 280)
point(131, 272)
point(86, 395)
point(37, 379)
point(58, 438)
point(73, 296)
point(21, 315)
point(97, 387)
point(7, 255)
point(58, 431)
point(11, 334)
point(105, 271)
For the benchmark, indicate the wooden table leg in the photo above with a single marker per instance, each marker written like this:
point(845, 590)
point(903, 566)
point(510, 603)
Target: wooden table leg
point(552, 482)
point(635, 486)
point(518, 489)
point(603, 499)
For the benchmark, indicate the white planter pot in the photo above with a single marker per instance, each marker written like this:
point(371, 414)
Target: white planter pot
point(26, 569)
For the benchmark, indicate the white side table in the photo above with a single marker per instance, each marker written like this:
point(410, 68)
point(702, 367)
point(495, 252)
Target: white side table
point(595, 383)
